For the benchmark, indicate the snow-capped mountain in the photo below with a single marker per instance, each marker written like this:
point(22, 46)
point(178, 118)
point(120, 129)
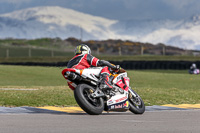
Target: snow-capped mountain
point(54, 21)
point(180, 33)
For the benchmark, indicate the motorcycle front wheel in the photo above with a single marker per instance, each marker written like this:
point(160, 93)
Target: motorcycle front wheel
point(136, 103)
point(92, 106)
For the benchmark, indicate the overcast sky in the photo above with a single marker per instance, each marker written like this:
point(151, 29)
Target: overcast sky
point(116, 9)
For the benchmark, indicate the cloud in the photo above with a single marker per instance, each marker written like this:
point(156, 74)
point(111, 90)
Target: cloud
point(179, 4)
point(116, 9)
point(162, 9)
point(14, 1)
point(184, 7)
point(184, 38)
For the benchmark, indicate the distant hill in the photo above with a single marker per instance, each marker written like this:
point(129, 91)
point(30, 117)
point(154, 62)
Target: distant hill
point(108, 47)
point(131, 48)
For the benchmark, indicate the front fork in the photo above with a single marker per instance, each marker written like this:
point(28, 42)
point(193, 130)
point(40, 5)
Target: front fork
point(134, 98)
point(132, 93)
point(97, 93)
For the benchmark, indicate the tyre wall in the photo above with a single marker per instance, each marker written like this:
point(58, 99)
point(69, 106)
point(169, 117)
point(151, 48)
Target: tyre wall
point(176, 65)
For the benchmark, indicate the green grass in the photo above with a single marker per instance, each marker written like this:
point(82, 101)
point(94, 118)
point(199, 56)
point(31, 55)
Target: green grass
point(23, 52)
point(30, 76)
point(44, 96)
point(156, 87)
point(36, 59)
point(166, 87)
point(150, 58)
point(41, 42)
point(52, 89)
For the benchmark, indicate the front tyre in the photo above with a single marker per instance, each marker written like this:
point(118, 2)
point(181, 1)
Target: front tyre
point(136, 104)
point(92, 106)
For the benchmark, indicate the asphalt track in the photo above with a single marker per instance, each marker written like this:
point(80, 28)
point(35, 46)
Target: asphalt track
point(156, 119)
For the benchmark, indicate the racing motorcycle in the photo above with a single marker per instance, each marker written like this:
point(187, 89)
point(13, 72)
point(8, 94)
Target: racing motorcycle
point(93, 100)
point(195, 71)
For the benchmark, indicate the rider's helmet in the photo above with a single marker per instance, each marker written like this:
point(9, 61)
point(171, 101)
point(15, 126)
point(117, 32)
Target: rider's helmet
point(194, 65)
point(82, 49)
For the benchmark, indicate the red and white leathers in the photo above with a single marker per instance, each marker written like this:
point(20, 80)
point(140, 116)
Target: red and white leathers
point(83, 61)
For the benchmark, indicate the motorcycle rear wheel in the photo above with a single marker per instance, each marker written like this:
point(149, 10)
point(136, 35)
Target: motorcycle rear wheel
point(136, 103)
point(92, 106)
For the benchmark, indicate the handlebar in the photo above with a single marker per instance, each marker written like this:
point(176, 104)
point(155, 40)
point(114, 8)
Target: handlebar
point(121, 70)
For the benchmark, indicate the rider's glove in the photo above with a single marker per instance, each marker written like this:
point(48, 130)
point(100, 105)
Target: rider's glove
point(117, 68)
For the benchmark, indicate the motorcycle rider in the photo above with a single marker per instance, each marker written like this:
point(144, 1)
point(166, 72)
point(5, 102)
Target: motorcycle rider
point(193, 69)
point(83, 59)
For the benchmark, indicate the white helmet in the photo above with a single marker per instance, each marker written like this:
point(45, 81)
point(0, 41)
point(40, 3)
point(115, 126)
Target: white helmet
point(82, 49)
point(194, 65)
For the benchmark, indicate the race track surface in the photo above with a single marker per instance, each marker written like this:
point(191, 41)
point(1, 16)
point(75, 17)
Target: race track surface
point(71, 110)
point(170, 121)
point(156, 119)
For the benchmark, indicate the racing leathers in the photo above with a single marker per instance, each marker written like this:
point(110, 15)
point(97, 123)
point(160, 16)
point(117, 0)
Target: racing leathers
point(82, 61)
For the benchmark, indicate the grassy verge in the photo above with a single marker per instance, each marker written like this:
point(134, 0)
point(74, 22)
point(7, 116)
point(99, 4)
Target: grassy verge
point(155, 87)
point(37, 96)
point(166, 87)
point(35, 86)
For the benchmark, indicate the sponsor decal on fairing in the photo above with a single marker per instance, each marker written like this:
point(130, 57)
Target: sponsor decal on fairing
point(121, 99)
point(122, 105)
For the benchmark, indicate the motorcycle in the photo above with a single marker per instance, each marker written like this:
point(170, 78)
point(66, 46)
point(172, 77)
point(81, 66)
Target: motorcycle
point(195, 71)
point(93, 100)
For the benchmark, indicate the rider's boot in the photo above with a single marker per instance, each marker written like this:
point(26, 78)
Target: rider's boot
point(105, 83)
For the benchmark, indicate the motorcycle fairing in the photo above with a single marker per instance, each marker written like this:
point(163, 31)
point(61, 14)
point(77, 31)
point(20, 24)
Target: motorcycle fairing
point(67, 70)
point(123, 105)
point(71, 84)
point(92, 73)
point(118, 77)
point(123, 83)
point(119, 101)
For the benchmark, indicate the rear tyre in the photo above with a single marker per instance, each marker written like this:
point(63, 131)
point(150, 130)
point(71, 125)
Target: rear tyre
point(92, 106)
point(136, 104)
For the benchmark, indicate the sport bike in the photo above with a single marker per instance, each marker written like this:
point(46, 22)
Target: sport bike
point(94, 101)
point(195, 71)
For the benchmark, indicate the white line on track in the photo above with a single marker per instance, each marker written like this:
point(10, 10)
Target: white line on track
point(139, 121)
point(16, 89)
